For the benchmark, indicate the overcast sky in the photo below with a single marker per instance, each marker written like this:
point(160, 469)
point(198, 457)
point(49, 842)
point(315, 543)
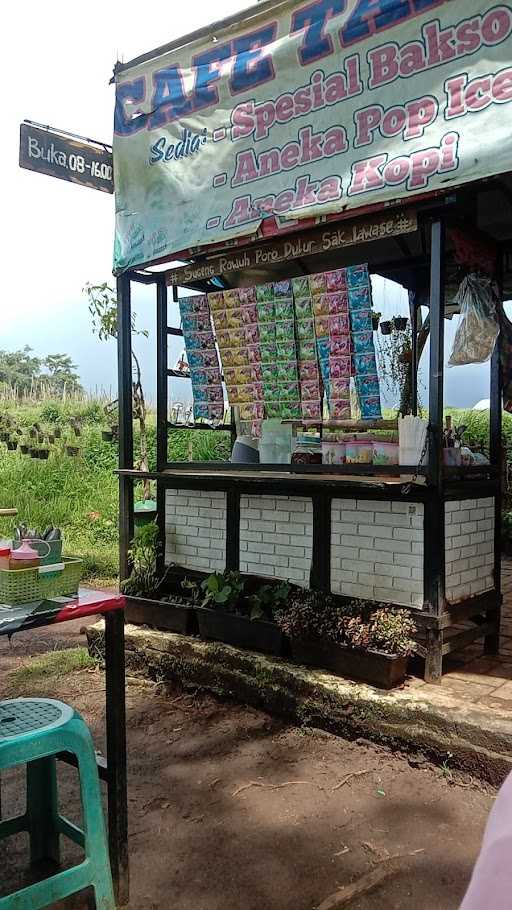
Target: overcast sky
point(58, 58)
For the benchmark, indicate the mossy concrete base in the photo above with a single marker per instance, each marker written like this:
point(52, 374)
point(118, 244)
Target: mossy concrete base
point(425, 718)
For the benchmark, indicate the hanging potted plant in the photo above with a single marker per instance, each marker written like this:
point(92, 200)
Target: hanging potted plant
point(386, 328)
point(107, 435)
point(395, 368)
point(72, 450)
point(375, 319)
point(400, 323)
point(43, 453)
point(12, 444)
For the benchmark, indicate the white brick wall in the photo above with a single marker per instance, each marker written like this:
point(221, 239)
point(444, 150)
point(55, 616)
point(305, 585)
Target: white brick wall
point(276, 537)
point(469, 536)
point(377, 550)
point(195, 529)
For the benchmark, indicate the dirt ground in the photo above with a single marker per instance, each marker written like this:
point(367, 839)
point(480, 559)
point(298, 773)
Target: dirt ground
point(232, 809)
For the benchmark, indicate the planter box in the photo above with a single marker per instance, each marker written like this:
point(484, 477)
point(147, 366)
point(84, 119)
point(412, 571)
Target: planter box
point(162, 615)
point(255, 635)
point(382, 670)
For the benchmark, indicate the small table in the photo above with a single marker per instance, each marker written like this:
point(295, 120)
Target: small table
point(61, 609)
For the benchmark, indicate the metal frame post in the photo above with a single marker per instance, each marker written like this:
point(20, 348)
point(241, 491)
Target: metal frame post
point(114, 622)
point(125, 400)
point(434, 525)
point(162, 407)
point(413, 310)
point(492, 641)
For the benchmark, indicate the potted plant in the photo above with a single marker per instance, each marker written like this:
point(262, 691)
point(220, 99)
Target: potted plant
point(24, 448)
point(349, 639)
point(107, 435)
point(72, 450)
point(386, 327)
point(395, 368)
point(145, 591)
point(57, 432)
point(43, 453)
point(34, 452)
point(375, 319)
point(12, 444)
point(400, 323)
point(240, 612)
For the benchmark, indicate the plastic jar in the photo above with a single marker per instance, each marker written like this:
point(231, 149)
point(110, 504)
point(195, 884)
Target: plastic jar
point(333, 450)
point(359, 451)
point(385, 452)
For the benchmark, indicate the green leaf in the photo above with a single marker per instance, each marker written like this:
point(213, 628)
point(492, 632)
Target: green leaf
point(223, 596)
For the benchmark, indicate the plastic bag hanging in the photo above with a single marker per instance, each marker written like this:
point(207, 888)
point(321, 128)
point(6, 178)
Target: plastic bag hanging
point(479, 327)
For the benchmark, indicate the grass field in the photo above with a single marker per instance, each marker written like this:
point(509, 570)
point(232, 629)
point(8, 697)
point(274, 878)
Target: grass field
point(80, 495)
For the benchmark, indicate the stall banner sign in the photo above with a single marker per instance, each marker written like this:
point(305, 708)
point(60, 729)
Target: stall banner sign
point(304, 110)
point(49, 152)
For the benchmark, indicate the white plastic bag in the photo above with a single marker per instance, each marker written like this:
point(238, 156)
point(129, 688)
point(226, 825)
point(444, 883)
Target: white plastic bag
point(478, 328)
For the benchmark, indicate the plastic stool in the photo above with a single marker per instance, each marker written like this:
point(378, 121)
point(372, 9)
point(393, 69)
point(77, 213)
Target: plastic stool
point(33, 731)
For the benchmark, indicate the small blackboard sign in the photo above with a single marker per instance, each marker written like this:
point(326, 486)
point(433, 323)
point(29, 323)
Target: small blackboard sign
point(49, 152)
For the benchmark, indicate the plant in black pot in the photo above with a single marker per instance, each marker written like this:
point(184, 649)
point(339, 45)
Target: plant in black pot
point(229, 614)
point(146, 600)
point(400, 323)
point(386, 327)
point(349, 639)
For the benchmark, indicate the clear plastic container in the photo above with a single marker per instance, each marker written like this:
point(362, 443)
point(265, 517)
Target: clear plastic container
point(359, 451)
point(385, 452)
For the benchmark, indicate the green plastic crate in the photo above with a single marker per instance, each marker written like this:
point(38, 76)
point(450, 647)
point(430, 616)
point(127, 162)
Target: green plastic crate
point(19, 586)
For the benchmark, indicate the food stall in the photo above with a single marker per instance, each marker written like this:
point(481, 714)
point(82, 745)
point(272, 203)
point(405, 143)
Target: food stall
point(272, 272)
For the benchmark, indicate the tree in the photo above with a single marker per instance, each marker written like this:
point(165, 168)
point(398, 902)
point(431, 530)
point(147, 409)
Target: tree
point(61, 373)
point(102, 303)
point(19, 370)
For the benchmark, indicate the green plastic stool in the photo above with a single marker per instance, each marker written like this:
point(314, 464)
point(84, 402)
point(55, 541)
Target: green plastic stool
point(32, 732)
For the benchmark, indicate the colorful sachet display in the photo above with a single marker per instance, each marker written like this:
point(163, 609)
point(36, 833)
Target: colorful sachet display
point(203, 360)
point(309, 375)
point(276, 324)
point(236, 325)
point(282, 344)
point(332, 328)
point(364, 360)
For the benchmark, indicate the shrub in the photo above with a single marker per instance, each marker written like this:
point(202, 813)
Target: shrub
point(222, 590)
point(391, 630)
point(314, 615)
point(311, 614)
point(143, 578)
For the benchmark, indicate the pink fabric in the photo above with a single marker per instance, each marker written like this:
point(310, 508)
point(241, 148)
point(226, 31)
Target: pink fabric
point(491, 883)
